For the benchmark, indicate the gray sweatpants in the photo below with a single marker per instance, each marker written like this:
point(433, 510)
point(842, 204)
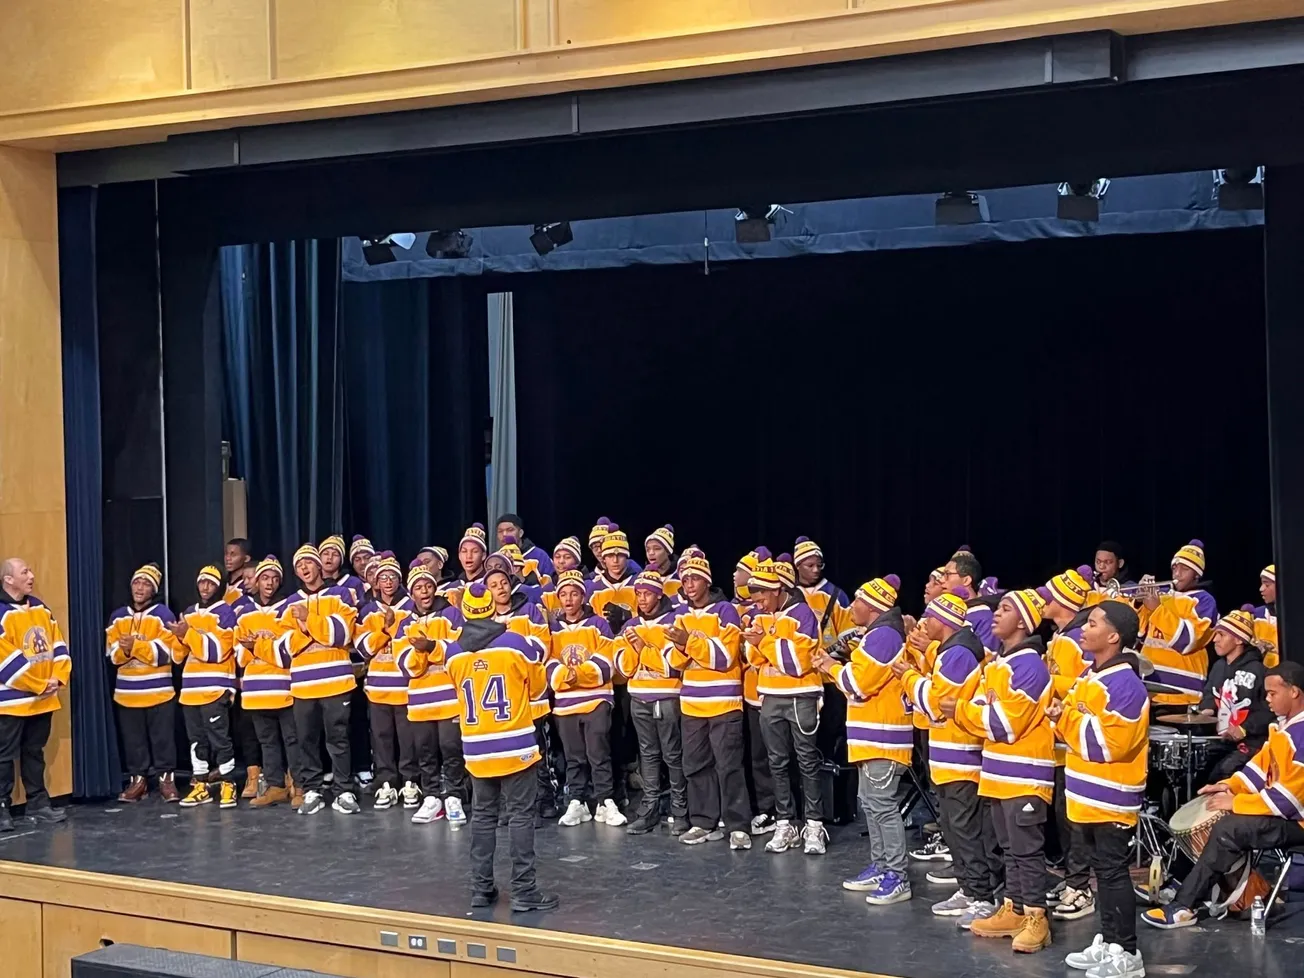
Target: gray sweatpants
point(878, 800)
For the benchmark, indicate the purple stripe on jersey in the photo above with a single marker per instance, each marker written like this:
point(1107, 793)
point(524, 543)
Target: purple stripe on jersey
point(265, 684)
point(128, 684)
point(386, 681)
point(1284, 805)
point(569, 699)
point(1028, 674)
point(956, 664)
point(941, 754)
point(1296, 734)
point(498, 745)
point(712, 689)
point(10, 695)
point(719, 657)
point(198, 682)
point(1127, 694)
point(604, 667)
point(339, 632)
point(1182, 637)
point(1252, 775)
point(1000, 733)
point(324, 670)
point(881, 645)
point(1095, 749)
point(1012, 768)
point(897, 736)
point(431, 695)
point(1118, 797)
point(12, 667)
point(787, 657)
point(644, 695)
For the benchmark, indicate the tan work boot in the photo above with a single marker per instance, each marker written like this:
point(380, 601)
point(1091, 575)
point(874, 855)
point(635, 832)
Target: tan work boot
point(272, 796)
point(296, 796)
point(1004, 923)
point(1035, 934)
point(252, 774)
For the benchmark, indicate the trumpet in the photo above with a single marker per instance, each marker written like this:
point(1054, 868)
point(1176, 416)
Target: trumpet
point(1135, 592)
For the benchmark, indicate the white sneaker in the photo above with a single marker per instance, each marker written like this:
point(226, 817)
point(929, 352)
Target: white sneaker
point(312, 803)
point(609, 814)
point(1119, 964)
point(1074, 904)
point(815, 839)
point(785, 837)
point(1090, 956)
point(346, 803)
point(763, 824)
point(740, 840)
point(386, 797)
point(576, 813)
point(431, 810)
point(411, 795)
point(453, 812)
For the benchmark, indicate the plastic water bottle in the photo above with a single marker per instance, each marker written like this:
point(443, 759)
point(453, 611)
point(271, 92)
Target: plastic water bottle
point(1258, 918)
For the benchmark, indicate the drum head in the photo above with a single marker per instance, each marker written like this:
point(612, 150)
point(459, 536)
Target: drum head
point(1195, 812)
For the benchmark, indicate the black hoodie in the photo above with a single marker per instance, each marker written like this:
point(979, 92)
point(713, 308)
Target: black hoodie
point(1237, 683)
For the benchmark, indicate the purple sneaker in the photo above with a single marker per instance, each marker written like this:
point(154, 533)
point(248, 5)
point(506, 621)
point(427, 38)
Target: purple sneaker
point(892, 888)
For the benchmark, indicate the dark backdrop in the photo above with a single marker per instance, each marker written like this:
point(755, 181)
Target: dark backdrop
point(1026, 399)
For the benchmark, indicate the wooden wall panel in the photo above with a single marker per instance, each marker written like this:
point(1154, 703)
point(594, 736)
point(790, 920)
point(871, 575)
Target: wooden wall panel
point(22, 943)
point(69, 932)
point(597, 21)
point(348, 962)
point(230, 42)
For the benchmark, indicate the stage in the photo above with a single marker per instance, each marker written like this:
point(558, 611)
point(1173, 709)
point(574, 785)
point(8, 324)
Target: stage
point(321, 892)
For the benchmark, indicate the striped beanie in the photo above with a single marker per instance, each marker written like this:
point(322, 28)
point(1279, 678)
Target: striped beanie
point(418, 571)
point(360, 545)
point(306, 552)
point(880, 593)
point(615, 541)
point(664, 535)
point(269, 563)
point(949, 608)
point(570, 545)
point(477, 602)
point(692, 550)
point(571, 578)
point(765, 577)
point(210, 574)
point(333, 542)
point(1239, 623)
point(697, 566)
point(498, 562)
point(512, 551)
point(937, 574)
point(475, 534)
point(1269, 573)
point(650, 580)
point(749, 561)
point(388, 564)
point(783, 566)
point(1192, 556)
point(1028, 603)
point(804, 548)
point(151, 573)
point(600, 529)
point(1071, 588)
point(440, 553)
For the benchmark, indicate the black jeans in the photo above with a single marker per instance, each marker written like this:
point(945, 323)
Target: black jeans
point(278, 744)
point(326, 717)
point(149, 738)
point(514, 794)
point(586, 739)
point(968, 829)
point(209, 729)
point(758, 766)
point(713, 767)
point(1233, 837)
point(789, 724)
point(659, 740)
point(441, 767)
point(1107, 845)
point(248, 748)
point(23, 739)
point(393, 746)
point(1077, 863)
point(1020, 825)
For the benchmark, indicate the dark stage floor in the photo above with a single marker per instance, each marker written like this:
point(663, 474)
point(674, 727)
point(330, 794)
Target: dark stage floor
point(787, 907)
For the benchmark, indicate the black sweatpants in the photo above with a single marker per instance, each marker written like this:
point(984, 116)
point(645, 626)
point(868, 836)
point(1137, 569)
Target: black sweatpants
point(393, 747)
point(1108, 846)
point(326, 717)
point(514, 794)
point(1234, 837)
point(713, 767)
point(278, 744)
point(23, 739)
point(758, 766)
point(149, 738)
point(659, 742)
point(789, 725)
point(968, 829)
point(586, 739)
point(208, 728)
point(248, 748)
point(1020, 825)
point(441, 768)
point(1077, 864)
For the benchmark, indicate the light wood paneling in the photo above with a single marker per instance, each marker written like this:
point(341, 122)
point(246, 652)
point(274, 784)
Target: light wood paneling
point(230, 42)
point(600, 21)
point(467, 969)
point(69, 932)
point(349, 962)
point(22, 943)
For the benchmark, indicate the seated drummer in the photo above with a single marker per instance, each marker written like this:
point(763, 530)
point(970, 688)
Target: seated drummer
point(1234, 695)
point(1263, 799)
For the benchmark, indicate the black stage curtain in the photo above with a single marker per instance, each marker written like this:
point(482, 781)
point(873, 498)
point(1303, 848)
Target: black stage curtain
point(96, 772)
point(1025, 399)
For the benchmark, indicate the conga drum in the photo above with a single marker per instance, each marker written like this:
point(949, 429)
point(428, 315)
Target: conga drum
point(1192, 826)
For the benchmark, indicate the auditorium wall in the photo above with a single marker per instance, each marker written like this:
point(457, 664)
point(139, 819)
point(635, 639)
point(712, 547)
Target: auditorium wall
point(115, 72)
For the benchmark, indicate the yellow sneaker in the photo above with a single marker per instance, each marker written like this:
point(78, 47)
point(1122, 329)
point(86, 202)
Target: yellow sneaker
point(228, 795)
point(198, 796)
point(1004, 923)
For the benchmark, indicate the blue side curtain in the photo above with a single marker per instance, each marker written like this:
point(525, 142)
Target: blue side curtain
point(284, 387)
point(96, 771)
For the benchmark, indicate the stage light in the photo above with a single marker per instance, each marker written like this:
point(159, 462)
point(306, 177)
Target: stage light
point(547, 237)
point(960, 207)
point(1239, 189)
point(378, 249)
point(449, 244)
point(752, 224)
point(1081, 201)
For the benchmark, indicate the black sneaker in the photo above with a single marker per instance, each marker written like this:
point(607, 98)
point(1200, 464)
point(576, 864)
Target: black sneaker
point(479, 900)
point(6, 821)
point(548, 809)
point(535, 900)
point(643, 824)
point(47, 814)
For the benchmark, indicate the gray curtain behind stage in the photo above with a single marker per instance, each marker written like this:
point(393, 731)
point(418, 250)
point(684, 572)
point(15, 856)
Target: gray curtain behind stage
point(502, 405)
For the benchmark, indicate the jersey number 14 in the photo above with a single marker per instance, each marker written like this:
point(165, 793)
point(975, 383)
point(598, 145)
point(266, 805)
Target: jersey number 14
point(494, 698)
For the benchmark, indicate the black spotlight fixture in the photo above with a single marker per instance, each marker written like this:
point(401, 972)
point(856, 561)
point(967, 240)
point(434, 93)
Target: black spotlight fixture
point(449, 244)
point(1240, 189)
point(961, 207)
point(548, 237)
point(752, 224)
point(377, 249)
point(1081, 201)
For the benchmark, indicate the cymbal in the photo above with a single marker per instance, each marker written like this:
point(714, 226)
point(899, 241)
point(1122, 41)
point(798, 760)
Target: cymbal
point(1154, 686)
point(1186, 720)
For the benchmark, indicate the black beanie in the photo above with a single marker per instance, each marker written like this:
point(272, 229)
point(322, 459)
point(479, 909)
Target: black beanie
point(511, 518)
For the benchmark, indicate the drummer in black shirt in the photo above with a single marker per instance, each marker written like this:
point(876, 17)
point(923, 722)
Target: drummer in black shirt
point(1234, 695)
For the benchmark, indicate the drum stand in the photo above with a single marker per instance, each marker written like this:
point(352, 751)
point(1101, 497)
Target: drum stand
point(1154, 845)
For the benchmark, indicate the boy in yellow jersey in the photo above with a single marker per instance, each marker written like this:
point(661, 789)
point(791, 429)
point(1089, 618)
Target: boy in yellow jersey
point(826, 599)
point(781, 639)
point(642, 652)
point(1177, 626)
point(472, 550)
point(265, 687)
point(138, 642)
point(236, 558)
point(34, 666)
point(360, 551)
point(318, 625)
point(760, 782)
point(567, 555)
point(1265, 617)
point(1105, 722)
point(1018, 772)
point(204, 636)
point(497, 674)
point(880, 736)
point(660, 550)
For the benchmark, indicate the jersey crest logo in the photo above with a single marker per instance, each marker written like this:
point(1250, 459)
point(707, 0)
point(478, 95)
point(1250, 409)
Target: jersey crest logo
point(36, 644)
point(574, 655)
point(480, 666)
